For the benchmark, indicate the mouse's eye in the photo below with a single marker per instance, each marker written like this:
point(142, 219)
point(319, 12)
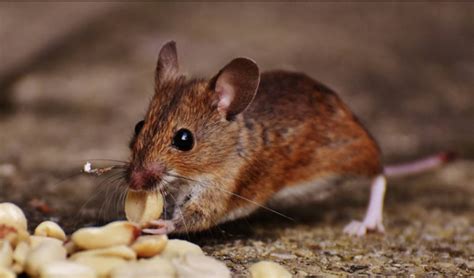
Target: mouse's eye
point(138, 127)
point(183, 140)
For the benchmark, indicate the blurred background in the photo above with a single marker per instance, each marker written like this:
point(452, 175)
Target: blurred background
point(76, 77)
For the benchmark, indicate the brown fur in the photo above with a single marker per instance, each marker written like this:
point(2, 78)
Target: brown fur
point(296, 130)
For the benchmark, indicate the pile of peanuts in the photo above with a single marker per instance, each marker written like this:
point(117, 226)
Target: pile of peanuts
point(116, 250)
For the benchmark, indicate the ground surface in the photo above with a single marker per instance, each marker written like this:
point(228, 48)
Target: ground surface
point(406, 70)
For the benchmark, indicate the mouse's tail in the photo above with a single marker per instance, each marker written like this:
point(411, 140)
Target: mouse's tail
point(419, 166)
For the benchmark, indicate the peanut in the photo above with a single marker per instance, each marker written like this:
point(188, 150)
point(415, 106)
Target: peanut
point(149, 245)
point(106, 250)
point(17, 268)
point(178, 248)
point(50, 229)
point(6, 273)
point(6, 254)
point(46, 252)
point(12, 234)
point(115, 233)
point(37, 240)
point(65, 269)
point(157, 267)
point(121, 251)
point(12, 215)
point(102, 265)
point(142, 207)
point(195, 265)
point(267, 269)
point(70, 247)
point(20, 253)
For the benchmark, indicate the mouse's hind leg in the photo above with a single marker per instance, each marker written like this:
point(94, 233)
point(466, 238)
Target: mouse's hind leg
point(373, 217)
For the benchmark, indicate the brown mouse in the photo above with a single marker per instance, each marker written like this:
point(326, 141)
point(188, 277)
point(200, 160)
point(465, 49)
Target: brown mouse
point(219, 149)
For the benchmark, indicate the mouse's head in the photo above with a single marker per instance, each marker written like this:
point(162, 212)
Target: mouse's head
point(190, 129)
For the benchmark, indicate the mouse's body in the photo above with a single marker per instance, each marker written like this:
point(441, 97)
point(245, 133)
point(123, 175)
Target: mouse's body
point(297, 136)
point(219, 149)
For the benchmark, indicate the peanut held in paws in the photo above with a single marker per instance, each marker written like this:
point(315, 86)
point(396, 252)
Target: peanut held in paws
point(143, 207)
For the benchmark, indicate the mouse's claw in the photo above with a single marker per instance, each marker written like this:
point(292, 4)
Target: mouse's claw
point(359, 228)
point(159, 227)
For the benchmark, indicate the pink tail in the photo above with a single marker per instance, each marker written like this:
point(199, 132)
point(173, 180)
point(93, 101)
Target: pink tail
point(419, 166)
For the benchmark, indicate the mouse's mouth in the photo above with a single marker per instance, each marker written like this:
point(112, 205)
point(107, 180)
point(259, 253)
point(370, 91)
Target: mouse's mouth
point(176, 189)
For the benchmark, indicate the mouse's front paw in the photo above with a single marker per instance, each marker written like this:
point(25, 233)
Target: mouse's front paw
point(360, 228)
point(159, 227)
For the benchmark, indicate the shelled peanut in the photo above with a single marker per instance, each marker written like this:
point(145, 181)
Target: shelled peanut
point(116, 250)
point(142, 207)
point(266, 269)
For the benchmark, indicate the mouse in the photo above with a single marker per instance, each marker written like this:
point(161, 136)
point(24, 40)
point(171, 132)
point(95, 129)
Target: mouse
point(220, 148)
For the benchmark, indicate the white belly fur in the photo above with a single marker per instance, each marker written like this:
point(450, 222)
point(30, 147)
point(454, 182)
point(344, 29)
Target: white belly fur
point(315, 190)
point(239, 213)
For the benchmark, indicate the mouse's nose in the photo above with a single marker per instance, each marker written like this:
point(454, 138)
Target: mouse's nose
point(144, 178)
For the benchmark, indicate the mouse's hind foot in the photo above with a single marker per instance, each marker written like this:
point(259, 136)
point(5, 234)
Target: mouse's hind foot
point(373, 217)
point(361, 228)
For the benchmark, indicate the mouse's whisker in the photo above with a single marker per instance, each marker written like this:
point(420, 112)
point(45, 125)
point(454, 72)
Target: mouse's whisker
point(181, 177)
point(123, 162)
point(164, 199)
point(117, 195)
point(234, 194)
point(106, 204)
point(249, 200)
point(69, 177)
point(113, 199)
point(123, 191)
point(122, 195)
point(215, 222)
point(182, 215)
point(165, 193)
point(101, 189)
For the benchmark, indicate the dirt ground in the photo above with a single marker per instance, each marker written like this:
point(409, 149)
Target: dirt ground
point(405, 69)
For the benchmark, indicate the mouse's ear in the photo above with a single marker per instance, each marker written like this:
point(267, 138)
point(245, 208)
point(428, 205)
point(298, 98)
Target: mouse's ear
point(236, 85)
point(167, 65)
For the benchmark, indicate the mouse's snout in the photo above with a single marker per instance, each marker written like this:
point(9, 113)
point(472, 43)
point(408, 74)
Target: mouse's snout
point(145, 178)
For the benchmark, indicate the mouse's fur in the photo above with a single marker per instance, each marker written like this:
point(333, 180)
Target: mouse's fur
point(255, 134)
